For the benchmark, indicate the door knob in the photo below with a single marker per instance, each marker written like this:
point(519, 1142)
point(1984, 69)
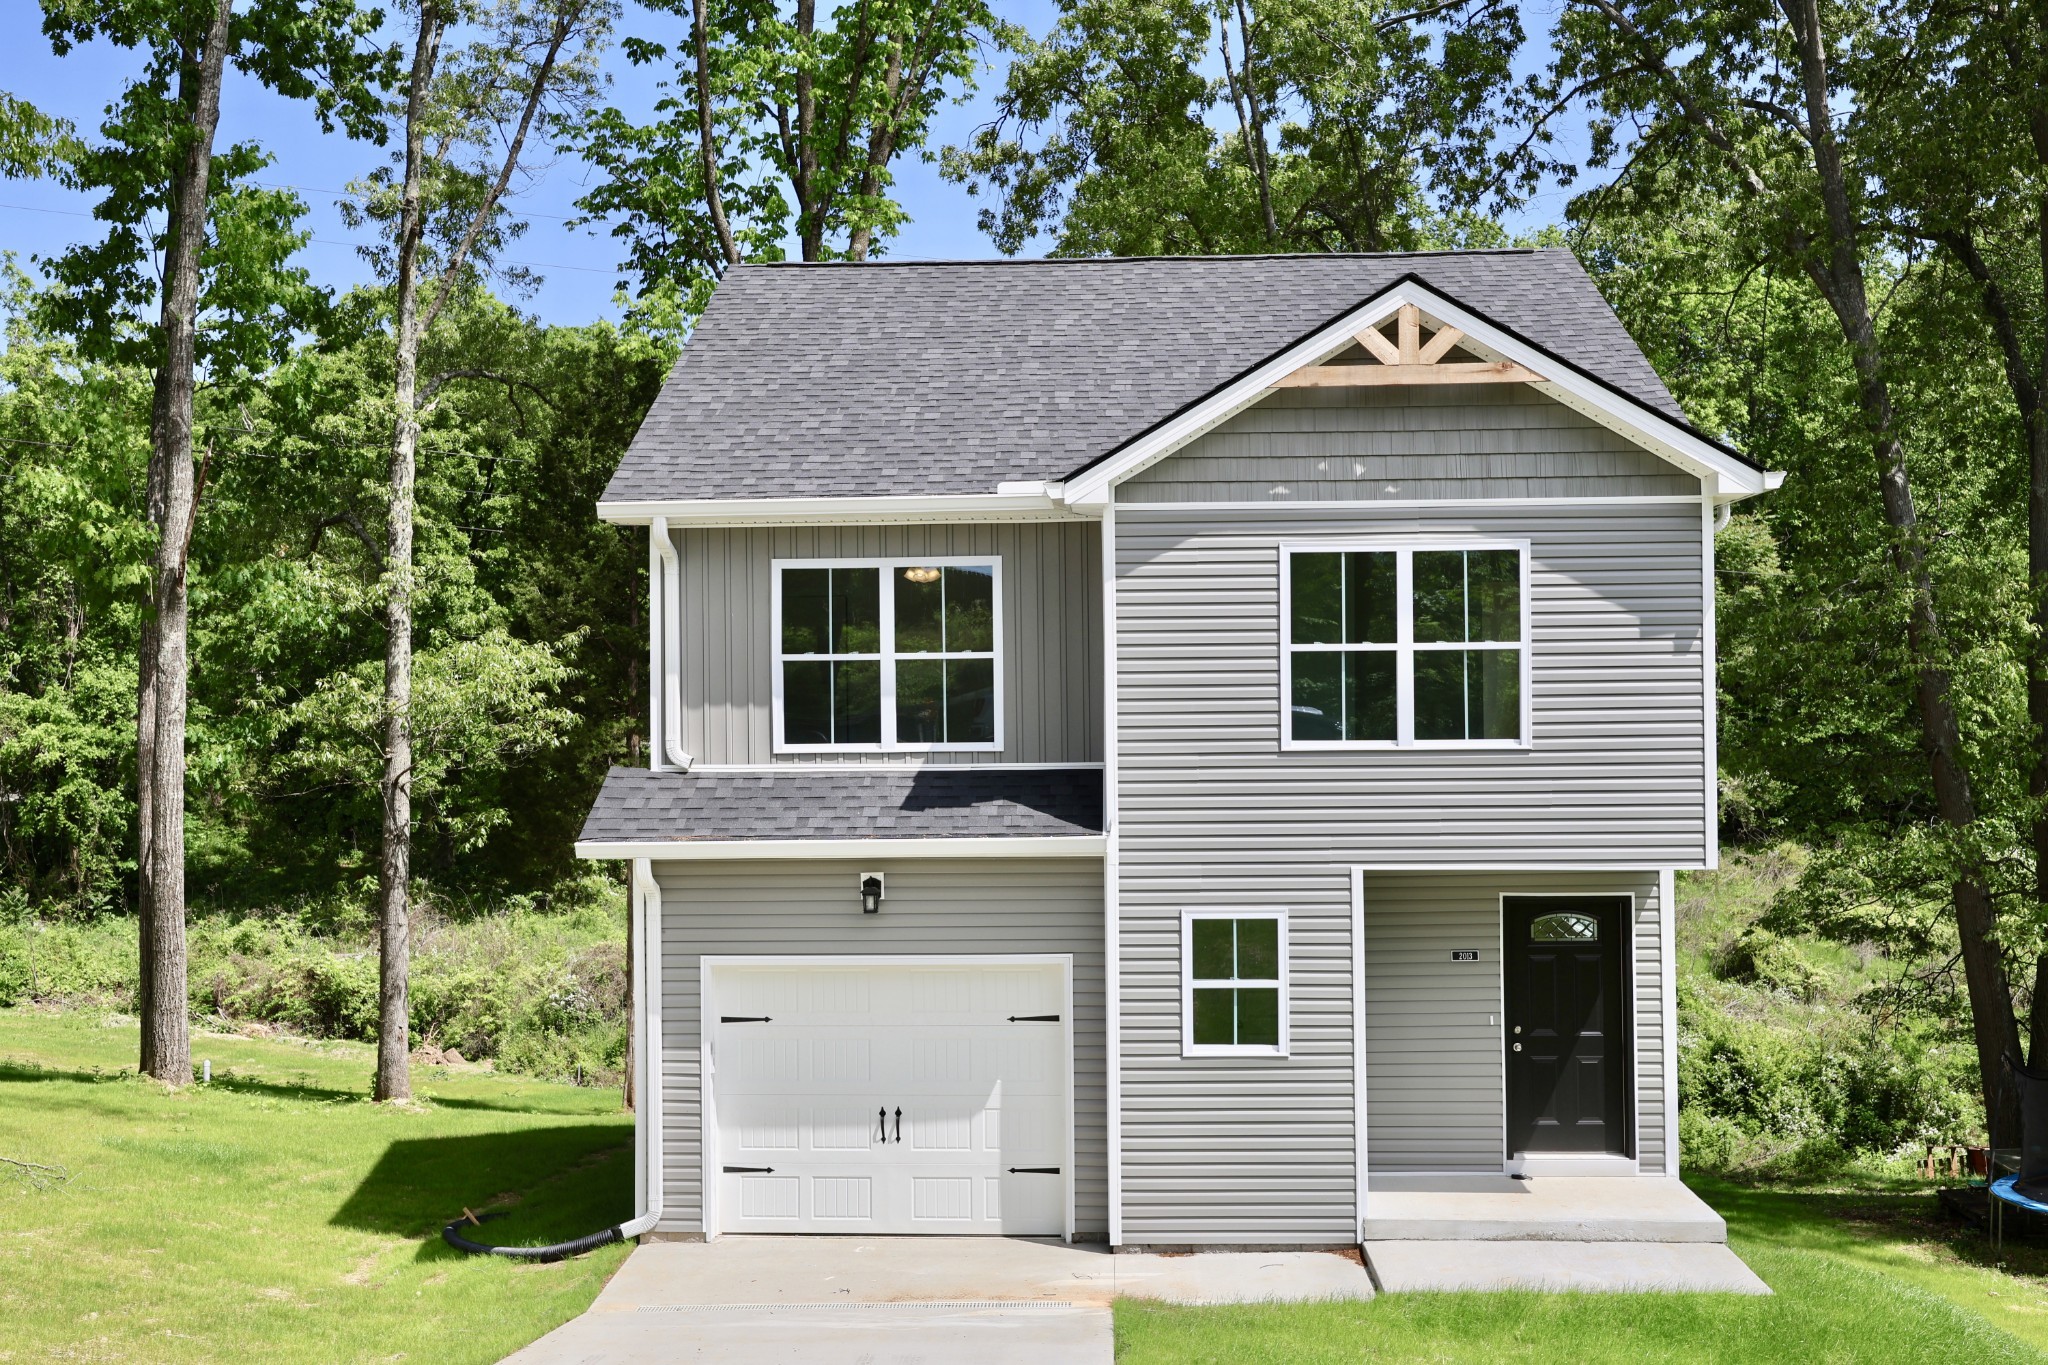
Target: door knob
point(1518, 1047)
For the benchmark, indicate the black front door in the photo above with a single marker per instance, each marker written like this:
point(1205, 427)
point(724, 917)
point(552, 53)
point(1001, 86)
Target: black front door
point(1567, 1053)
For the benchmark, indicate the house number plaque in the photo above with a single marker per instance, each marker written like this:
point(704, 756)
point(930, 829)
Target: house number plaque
point(1464, 954)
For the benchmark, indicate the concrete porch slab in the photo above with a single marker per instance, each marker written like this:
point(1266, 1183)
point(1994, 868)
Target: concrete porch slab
point(1583, 1267)
point(1488, 1208)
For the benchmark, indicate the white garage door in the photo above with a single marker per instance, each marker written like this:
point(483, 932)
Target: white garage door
point(891, 1098)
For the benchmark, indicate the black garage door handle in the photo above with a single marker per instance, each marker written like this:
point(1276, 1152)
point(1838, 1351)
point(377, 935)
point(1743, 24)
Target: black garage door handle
point(1034, 1170)
point(748, 1170)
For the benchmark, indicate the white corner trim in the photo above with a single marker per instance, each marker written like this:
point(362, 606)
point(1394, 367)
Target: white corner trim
point(1013, 502)
point(1710, 692)
point(1361, 1179)
point(1723, 474)
point(730, 850)
point(1667, 955)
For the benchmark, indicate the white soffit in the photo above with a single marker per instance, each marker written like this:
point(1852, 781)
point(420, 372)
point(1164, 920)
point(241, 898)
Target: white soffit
point(1015, 502)
point(724, 850)
point(1724, 477)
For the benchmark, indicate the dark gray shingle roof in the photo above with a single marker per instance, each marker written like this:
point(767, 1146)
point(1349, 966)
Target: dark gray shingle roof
point(801, 802)
point(850, 380)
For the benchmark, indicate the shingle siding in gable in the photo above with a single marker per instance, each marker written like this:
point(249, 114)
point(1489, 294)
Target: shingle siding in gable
point(1432, 442)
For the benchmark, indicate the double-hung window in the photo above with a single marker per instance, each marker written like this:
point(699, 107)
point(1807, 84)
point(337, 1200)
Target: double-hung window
point(1233, 983)
point(1406, 645)
point(887, 654)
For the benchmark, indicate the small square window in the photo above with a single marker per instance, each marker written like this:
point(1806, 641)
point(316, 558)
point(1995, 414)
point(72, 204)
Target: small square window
point(1234, 996)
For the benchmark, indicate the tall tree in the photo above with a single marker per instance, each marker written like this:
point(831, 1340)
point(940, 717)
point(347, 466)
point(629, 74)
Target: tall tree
point(159, 158)
point(1330, 125)
point(457, 122)
point(1958, 101)
point(1752, 98)
point(778, 123)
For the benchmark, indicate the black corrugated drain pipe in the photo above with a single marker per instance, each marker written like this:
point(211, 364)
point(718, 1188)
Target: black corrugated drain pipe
point(559, 1251)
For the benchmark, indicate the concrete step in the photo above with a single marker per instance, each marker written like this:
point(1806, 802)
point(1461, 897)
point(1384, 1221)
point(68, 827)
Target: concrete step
point(1488, 1208)
point(1582, 1267)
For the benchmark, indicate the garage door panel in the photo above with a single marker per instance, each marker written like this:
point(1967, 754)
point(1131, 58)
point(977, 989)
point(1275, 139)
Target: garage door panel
point(890, 1099)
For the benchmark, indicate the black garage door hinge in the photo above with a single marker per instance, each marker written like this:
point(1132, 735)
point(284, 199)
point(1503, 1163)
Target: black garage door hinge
point(1028, 1170)
point(744, 1019)
point(1034, 1018)
point(748, 1170)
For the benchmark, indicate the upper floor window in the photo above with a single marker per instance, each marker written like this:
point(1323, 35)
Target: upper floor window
point(887, 654)
point(1406, 645)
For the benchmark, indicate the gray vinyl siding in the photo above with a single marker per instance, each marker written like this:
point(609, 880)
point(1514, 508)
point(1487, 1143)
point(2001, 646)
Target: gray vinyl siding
point(1256, 1150)
point(1614, 775)
point(1434, 1083)
point(1451, 441)
point(936, 906)
point(1211, 812)
point(1052, 623)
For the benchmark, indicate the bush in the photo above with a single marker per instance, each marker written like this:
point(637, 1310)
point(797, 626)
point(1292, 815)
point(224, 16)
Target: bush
point(1755, 1090)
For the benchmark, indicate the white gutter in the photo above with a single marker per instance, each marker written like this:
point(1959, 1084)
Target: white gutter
point(646, 931)
point(667, 600)
point(721, 850)
point(1018, 501)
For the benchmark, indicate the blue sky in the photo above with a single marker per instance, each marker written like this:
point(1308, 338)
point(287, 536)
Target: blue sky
point(576, 265)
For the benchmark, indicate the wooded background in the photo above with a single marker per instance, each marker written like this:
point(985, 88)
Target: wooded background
point(1823, 222)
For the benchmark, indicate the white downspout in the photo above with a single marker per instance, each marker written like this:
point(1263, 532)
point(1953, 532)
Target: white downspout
point(1722, 511)
point(667, 598)
point(646, 930)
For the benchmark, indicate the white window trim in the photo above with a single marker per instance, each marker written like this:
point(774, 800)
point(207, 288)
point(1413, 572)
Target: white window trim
point(1404, 650)
point(1188, 1046)
point(889, 743)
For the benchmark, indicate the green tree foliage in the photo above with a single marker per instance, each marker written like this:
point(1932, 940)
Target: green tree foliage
point(1204, 126)
point(778, 124)
point(530, 671)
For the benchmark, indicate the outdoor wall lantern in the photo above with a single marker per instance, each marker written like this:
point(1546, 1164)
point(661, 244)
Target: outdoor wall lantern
point(870, 892)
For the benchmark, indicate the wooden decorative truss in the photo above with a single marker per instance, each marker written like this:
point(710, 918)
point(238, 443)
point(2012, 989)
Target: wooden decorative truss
point(1412, 361)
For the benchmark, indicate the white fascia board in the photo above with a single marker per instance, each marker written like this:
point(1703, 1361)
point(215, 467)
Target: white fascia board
point(1724, 475)
point(730, 850)
point(1034, 505)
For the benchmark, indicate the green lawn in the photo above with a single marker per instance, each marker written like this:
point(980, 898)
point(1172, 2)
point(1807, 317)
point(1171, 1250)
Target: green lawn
point(275, 1214)
point(1860, 1276)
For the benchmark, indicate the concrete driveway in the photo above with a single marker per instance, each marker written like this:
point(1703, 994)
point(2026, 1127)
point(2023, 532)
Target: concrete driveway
point(898, 1300)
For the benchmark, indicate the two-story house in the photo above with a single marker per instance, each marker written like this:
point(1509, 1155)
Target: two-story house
point(1162, 751)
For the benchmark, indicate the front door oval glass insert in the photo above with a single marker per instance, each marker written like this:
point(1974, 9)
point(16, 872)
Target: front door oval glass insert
point(1564, 928)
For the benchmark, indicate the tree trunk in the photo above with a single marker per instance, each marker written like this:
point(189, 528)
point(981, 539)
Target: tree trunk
point(707, 135)
point(1840, 278)
point(394, 869)
point(167, 1054)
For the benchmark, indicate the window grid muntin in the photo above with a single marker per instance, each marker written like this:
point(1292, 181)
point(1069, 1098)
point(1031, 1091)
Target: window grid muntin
point(888, 657)
point(1406, 646)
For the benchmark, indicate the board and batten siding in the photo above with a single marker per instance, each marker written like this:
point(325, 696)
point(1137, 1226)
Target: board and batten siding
point(1434, 1028)
point(1052, 627)
point(1426, 442)
point(935, 906)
